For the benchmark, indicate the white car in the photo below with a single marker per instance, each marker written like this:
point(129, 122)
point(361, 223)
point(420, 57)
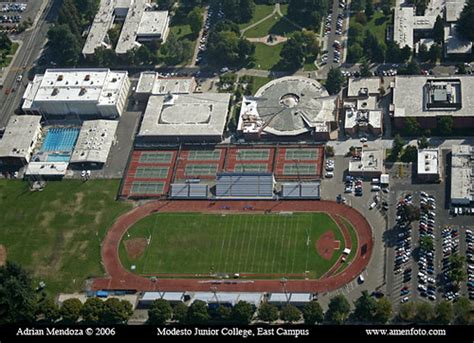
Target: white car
point(363, 139)
point(372, 205)
point(329, 174)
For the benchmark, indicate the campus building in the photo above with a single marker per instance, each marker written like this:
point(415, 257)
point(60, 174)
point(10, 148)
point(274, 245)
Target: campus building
point(289, 108)
point(426, 99)
point(152, 83)
point(94, 92)
point(180, 118)
point(140, 21)
point(369, 165)
point(19, 140)
point(428, 166)
point(462, 176)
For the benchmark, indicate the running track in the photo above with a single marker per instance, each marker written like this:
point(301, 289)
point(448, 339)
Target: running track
point(121, 279)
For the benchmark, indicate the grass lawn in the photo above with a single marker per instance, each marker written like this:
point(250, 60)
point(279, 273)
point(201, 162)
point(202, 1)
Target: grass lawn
point(309, 66)
point(245, 243)
point(259, 82)
point(261, 11)
point(275, 25)
point(266, 57)
point(377, 25)
point(56, 233)
point(6, 62)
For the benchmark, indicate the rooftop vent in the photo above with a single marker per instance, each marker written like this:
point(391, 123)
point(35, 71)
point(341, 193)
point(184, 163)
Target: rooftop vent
point(87, 77)
point(60, 78)
point(55, 92)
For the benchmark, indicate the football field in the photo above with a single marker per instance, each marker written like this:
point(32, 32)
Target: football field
point(195, 243)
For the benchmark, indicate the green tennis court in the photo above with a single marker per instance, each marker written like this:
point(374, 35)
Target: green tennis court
point(201, 169)
point(204, 155)
point(254, 167)
point(152, 172)
point(253, 155)
point(156, 157)
point(299, 169)
point(300, 154)
point(144, 187)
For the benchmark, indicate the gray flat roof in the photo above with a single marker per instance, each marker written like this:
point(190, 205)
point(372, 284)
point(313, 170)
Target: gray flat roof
point(462, 179)
point(151, 82)
point(94, 142)
point(372, 84)
point(371, 161)
point(19, 134)
point(202, 114)
point(408, 97)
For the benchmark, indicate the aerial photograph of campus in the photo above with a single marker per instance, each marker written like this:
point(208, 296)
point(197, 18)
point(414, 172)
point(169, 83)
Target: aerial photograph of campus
point(241, 168)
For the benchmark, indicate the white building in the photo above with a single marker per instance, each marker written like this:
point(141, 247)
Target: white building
point(141, 23)
point(370, 164)
point(94, 142)
point(19, 140)
point(184, 118)
point(462, 178)
point(82, 92)
point(428, 165)
point(152, 83)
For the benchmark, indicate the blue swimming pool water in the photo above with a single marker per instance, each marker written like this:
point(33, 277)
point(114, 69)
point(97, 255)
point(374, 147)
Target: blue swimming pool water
point(60, 139)
point(58, 158)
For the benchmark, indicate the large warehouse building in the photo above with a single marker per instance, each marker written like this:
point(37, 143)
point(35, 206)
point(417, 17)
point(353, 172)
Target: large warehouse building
point(175, 118)
point(428, 98)
point(289, 108)
point(93, 92)
point(462, 176)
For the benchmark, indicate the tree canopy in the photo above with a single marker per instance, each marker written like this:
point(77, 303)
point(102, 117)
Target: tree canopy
point(335, 81)
point(338, 310)
point(465, 23)
point(160, 312)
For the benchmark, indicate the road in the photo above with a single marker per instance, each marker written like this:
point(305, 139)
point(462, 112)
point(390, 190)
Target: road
point(33, 43)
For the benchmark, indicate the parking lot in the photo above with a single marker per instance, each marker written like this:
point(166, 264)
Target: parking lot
point(14, 13)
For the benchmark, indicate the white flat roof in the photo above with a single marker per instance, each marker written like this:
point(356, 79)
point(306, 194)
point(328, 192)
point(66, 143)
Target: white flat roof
point(428, 162)
point(47, 168)
point(19, 134)
point(170, 296)
point(103, 21)
point(185, 115)
point(462, 178)
point(151, 82)
point(454, 9)
point(371, 161)
point(153, 23)
point(94, 142)
point(355, 85)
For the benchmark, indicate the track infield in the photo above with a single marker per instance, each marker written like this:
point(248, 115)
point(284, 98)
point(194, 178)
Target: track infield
point(251, 244)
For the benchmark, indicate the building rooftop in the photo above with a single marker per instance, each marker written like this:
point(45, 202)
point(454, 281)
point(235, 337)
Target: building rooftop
point(153, 23)
point(428, 96)
point(98, 85)
point(360, 118)
point(103, 21)
point(185, 115)
point(362, 87)
point(406, 22)
point(462, 175)
point(371, 161)
point(151, 82)
point(454, 9)
point(428, 163)
point(47, 169)
point(94, 141)
point(20, 132)
point(288, 106)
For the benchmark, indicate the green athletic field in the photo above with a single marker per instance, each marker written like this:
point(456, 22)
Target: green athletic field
point(234, 243)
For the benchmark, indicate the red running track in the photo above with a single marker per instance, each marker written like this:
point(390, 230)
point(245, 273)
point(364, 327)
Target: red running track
point(121, 279)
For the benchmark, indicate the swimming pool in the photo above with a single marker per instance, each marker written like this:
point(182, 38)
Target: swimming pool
point(58, 158)
point(60, 139)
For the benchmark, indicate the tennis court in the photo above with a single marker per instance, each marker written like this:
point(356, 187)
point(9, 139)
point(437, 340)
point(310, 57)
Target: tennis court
point(156, 157)
point(254, 167)
point(253, 155)
point(296, 169)
point(60, 139)
point(152, 172)
point(300, 154)
point(204, 155)
point(200, 169)
point(144, 187)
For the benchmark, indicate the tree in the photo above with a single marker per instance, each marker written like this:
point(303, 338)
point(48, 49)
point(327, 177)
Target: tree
point(116, 311)
point(64, 44)
point(361, 18)
point(226, 47)
point(180, 312)
point(165, 5)
point(407, 312)
point(365, 69)
point(239, 11)
point(438, 30)
point(424, 312)
point(412, 68)
point(435, 53)
point(412, 127)
point(5, 42)
point(175, 50)
point(365, 307)
point(292, 55)
point(308, 13)
point(444, 312)
point(423, 54)
point(397, 147)
point(373, 49)
point(426, 243)
point(405, 53)
point(329, 150)
point(409, 154)
point(457, 272)
point(383, 311)
point(393, 52)
point(242, 312)
point(195, 20)
point(92, 309)
point(17, 297)
point(197, 313)
point(48, 310)
point(267, 313)
point(290, 314)
point(71, 310)
point(313, 313)
point(445, 125)
point(223, 313)
point(354, 52)
point(369, 9)
point(335, 81)
point(160, 312)
point(338, 310)
point(423, 143)
point(465, 23)
point(463, 311)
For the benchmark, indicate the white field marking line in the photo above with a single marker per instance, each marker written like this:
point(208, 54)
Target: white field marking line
point(289, 247)
point(307, 249)
point(259, 228)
